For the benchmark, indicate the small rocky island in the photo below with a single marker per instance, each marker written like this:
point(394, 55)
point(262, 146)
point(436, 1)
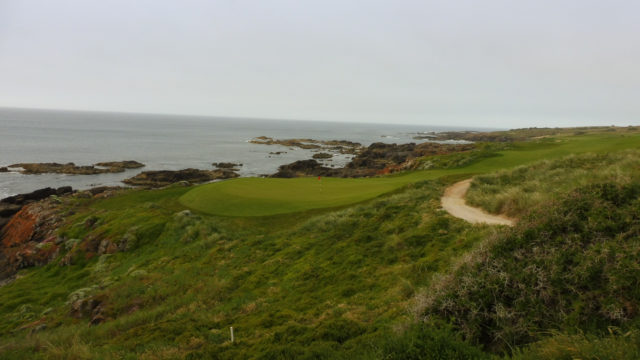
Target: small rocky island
point(73, 169)
point(227, 165)
point(341, 146)
point(322, 155)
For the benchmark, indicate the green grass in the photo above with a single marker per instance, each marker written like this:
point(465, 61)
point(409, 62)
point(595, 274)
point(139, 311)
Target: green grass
point(514, 191)
point(320, 286)
point(324, 276)
point(268, 196)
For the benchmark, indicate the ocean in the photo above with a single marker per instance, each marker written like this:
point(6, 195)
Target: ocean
point(163, 142)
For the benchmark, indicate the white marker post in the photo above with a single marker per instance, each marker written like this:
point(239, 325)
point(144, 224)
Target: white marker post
point(231, 329)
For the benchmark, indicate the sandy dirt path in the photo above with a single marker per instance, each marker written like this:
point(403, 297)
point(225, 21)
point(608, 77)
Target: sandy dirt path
point(453, 202)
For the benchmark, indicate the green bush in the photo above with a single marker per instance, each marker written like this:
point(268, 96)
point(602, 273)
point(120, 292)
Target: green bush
point(571, 264)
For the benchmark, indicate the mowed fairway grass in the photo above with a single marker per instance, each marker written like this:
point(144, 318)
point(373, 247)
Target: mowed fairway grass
point(272, 196)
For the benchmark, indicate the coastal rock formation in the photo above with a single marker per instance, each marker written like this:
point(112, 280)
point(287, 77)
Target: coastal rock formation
point(322, 155)
point(226, 165)
point(4, 169)
point(11, 205)
point(393, 156)
point(378, 158)
point(301, 168)
point(313, 168)
point(29, 239)
point(126, 164)
point(342, 146)
point(168, 177)
point(73, 169)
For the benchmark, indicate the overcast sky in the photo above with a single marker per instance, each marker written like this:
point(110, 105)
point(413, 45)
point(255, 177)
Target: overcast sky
point(499, 63)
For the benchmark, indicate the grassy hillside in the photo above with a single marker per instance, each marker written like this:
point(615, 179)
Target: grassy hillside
point(570, 264)
point(308, 284)
point(515, 191)
point(337, 275)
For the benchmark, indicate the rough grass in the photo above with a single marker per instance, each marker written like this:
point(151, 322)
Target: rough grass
point(321, 286)
point(328, 282)
point(612, 346)
point(571, 264)
point(513, 192)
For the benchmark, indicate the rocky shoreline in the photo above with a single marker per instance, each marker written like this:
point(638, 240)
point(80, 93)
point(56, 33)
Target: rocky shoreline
point(373, 160)
point(73, 169)
point(376, 159)
point(28, 222)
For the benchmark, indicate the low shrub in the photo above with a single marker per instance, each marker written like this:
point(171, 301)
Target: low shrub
point(571, 264)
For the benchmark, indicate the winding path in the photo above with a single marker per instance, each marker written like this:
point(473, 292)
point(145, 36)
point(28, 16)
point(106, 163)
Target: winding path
point(453, 202)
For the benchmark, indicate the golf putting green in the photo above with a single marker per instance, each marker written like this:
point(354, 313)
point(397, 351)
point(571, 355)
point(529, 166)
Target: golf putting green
point(270, 196)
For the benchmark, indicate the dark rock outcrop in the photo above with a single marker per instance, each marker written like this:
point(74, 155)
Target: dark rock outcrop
point(377, 159)
point(126, 164)
point(322, 155)
point(342, 146)
point(313, 168)
point(4, 169)
point(73, 169)
point(226, 165)
point(168, 177)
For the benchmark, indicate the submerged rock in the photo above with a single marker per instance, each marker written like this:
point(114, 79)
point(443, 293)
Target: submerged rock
point(167, 177)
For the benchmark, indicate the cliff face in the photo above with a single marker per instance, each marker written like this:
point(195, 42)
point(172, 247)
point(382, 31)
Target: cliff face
point(29, 238)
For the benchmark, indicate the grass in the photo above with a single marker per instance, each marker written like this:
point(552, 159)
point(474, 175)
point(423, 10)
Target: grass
point(323, 284)
point(334, 279)
point(570, 264)
point(268, 196)
point(514, 191)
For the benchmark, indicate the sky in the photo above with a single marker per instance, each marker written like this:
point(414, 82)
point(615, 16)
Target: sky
point(493, 63)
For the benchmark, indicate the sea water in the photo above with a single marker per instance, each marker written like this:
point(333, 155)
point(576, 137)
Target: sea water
point(163, 142)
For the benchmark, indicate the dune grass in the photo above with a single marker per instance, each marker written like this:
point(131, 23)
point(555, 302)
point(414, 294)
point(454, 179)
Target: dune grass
point(514, 191)
point(268, 196)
